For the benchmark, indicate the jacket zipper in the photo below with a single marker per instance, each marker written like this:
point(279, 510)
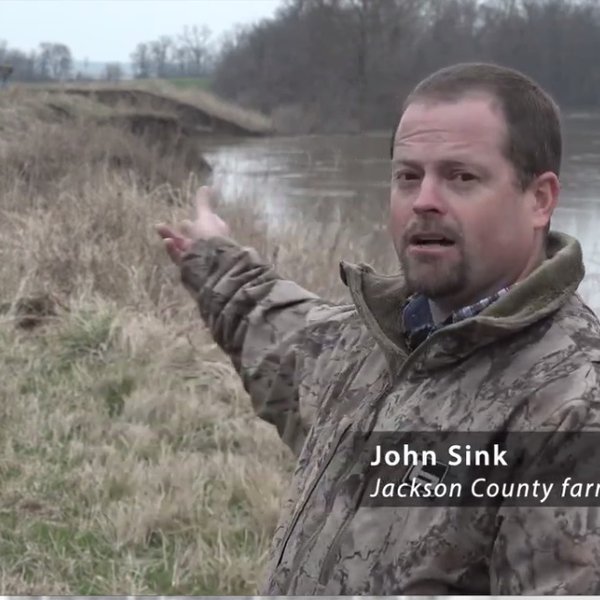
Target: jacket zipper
point(309, 494)
point(388, 388)
point(330, 556)
point(341, 530)
point(317, 478)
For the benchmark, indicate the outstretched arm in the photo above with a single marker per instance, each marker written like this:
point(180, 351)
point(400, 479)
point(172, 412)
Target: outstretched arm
point(272, 329)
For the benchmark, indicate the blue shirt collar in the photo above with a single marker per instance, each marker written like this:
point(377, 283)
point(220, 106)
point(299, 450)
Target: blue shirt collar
point(418, 323)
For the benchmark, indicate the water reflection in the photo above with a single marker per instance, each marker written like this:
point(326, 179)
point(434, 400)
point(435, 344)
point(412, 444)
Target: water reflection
point(344, 180)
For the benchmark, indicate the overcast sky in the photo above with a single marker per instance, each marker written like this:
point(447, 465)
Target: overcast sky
point(109, 30)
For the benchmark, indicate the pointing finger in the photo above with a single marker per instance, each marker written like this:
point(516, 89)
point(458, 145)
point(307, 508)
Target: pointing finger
point(203, 196)
point(173, 251)
point(165, 231)
point(187, 228)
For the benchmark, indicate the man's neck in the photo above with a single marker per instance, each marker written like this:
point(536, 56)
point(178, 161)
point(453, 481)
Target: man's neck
point(438, 314)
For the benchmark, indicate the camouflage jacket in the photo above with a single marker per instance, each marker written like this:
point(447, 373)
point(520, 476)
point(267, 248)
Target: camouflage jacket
point(321, 372)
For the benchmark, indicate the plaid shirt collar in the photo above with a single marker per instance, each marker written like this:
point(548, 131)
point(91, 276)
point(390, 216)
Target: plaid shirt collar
point(418, 321)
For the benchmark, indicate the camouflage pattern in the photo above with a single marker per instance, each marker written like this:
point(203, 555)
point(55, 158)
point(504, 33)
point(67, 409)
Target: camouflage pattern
point(321, 372)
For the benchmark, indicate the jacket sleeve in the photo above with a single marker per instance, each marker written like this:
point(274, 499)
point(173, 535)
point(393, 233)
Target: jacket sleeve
point(272, 329)
point(542, 550)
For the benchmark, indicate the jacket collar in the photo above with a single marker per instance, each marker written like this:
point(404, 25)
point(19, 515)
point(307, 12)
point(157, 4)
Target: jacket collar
point(379, 298)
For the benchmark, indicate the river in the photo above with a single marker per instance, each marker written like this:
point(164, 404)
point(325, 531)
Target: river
point(344, 179)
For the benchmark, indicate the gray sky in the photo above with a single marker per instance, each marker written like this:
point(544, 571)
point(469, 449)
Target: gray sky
point(109, 30)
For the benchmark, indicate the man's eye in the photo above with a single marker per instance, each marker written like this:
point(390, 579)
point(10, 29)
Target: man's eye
point(406, 176)
point(463, 177)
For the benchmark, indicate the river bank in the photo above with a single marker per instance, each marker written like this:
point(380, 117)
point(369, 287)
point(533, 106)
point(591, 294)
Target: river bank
point(131, 461)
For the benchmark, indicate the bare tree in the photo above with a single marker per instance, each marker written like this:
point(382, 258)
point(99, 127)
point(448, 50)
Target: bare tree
point(186, 55)
point(349, 63)
point(142, 61)
point(55, 61)
point(180, 59)
point(195, 42)
point(113, 72)
point(159, 50)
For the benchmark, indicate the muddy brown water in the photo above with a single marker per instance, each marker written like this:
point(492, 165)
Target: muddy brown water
point(325, 179)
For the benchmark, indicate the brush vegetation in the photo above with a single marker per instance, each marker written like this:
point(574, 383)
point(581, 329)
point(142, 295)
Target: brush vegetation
point(130, 459)
point(192, 105)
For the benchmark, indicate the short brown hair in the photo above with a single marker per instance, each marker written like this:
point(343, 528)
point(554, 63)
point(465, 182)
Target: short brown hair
point(534, 143)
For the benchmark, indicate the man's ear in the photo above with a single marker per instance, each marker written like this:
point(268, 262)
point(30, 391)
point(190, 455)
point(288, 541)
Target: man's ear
point(545, 191)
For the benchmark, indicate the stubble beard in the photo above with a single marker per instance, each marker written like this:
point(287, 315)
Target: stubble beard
point(435, 278)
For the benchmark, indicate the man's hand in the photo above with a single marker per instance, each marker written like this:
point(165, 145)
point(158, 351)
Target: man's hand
point(206, 225)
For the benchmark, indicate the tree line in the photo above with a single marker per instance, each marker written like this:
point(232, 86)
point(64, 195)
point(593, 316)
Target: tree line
point(189, 54)
point(51, 61)
point(346, 64)
point(339, 65)
point(186, 55)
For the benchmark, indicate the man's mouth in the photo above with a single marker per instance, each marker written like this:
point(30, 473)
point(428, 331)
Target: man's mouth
point(429, 240)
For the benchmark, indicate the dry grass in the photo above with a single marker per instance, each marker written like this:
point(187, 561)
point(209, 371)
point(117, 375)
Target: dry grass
point(52, 144)
point(215, 105)
point(125, 462)
point(172, 98)
point(130, 460)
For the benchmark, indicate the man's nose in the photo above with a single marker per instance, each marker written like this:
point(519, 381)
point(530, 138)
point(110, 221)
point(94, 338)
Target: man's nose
point(430, 197)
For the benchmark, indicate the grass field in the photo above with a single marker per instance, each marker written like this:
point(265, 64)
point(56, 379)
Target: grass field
point(193, 83)
point(187, 102)
point(130, 460)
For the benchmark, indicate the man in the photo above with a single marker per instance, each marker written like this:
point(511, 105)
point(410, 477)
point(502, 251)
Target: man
point(481, 331)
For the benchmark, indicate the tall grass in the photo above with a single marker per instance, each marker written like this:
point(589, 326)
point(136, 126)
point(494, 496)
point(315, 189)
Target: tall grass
point(130, 460)
point(173, 97)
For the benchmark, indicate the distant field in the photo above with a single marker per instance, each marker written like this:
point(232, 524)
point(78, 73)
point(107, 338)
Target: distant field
point(190, 83)
point(193, 106)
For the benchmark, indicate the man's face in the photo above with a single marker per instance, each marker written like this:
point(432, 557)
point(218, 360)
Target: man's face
point(461, 225)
